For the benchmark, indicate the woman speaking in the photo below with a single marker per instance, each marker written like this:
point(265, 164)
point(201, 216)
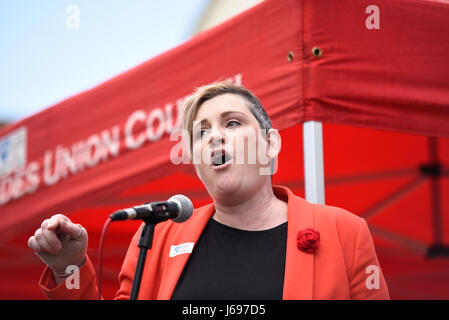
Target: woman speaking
point(254, 241)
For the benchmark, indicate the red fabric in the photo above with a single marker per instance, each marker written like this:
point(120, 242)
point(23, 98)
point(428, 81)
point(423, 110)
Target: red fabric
point(337, 271)
point(392, 79)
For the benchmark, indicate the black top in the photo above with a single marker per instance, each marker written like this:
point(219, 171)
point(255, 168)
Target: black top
point(229, 263)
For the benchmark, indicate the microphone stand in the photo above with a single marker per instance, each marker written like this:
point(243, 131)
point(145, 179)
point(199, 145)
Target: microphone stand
point(158, 214)
point(145, 243)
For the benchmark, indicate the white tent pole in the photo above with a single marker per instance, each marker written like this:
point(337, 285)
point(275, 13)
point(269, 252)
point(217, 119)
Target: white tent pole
point(313, 161)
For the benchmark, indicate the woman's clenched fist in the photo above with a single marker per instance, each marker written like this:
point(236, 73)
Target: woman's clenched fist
point(59, 243)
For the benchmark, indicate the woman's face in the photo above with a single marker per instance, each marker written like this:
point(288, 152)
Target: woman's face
point(226, 142)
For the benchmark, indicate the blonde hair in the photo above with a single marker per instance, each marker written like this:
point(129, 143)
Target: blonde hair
point(193, 103)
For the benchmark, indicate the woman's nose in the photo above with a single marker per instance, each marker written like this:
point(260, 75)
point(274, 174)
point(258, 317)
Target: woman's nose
point(216, 137)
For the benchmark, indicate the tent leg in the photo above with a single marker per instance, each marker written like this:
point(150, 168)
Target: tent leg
point(435, 192)
point(313, 161)
point(438, 249)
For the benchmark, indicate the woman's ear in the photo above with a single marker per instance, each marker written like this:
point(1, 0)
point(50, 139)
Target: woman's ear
point(274, 143)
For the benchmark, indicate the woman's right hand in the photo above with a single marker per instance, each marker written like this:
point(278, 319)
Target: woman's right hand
point(60, 243)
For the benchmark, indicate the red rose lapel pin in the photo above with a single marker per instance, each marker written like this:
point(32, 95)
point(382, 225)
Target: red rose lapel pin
point(308, 240)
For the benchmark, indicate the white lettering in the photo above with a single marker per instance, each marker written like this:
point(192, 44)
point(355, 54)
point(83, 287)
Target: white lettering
point(131, 142)
point(112, 144)
point(93, 151)
point(169, 125)
point(152, 134)
point(5, 190)
point(25, 181)
point(210, 311)
point(49, 177)
point(98, 147)
point(373, 20)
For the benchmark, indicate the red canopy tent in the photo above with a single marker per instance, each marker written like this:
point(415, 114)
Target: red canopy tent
point(381, 94)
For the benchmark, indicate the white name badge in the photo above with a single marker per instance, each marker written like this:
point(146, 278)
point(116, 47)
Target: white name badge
point(180, 249)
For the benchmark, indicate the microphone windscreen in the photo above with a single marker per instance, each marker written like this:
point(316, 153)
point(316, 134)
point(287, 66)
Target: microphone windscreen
point(186, 207)
point(119, 215)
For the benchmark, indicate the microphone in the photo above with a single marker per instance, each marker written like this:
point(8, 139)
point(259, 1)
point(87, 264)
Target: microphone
point(179, 208)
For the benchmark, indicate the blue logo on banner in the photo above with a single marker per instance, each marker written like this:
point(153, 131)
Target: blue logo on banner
point(4, 149)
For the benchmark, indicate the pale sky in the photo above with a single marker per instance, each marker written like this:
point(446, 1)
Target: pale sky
point(45, 59)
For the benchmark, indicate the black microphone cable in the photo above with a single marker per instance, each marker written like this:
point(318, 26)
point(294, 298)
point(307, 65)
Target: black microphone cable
point(100, 257)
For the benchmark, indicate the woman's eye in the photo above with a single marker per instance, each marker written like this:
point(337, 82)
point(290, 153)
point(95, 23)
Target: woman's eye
point(203, 132)
point(232, 123)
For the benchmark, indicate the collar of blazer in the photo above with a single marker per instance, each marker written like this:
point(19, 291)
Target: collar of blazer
point(298, 277)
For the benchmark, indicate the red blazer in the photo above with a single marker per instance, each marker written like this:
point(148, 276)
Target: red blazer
point(341, 267)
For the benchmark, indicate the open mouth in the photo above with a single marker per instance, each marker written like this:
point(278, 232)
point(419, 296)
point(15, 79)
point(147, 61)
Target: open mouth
point(219, 158)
